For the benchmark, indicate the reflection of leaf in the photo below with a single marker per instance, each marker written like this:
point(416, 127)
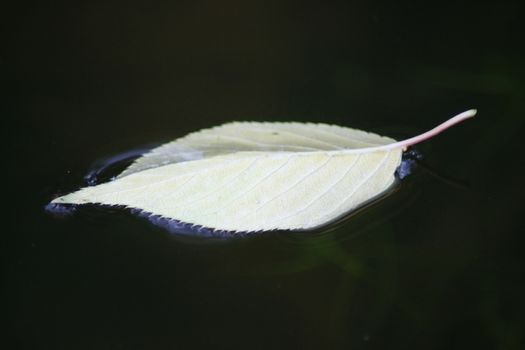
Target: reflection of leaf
point(258, 176)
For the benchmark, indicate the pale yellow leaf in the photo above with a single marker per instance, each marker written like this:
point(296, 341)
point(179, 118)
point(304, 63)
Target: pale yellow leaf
point(248, 176)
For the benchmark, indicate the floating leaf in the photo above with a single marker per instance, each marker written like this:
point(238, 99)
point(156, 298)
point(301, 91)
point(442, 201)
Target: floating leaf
point(249, 176)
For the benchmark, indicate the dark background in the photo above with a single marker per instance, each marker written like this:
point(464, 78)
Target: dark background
point(433, 266)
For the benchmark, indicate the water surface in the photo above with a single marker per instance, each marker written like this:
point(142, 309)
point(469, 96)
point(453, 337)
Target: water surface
point(433, 266)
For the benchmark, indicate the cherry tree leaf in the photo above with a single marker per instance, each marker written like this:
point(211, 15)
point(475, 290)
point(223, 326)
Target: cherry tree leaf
point(250, 176)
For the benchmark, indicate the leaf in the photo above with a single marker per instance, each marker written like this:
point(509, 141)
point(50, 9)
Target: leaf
point(248, 176)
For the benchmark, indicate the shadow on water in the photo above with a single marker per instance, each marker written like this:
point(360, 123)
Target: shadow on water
point(105, 169)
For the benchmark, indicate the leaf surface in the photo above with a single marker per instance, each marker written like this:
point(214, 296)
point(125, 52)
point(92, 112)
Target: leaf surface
point(248, 176)
point(260, 137)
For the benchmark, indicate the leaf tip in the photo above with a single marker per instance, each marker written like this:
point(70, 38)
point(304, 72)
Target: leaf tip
point(58, 200)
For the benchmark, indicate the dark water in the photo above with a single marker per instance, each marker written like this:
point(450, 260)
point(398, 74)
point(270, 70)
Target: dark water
point(435, 265)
